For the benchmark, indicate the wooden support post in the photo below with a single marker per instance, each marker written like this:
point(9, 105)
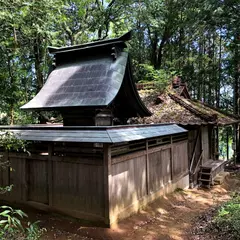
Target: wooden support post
point(147, 169)
point(227, 144)
point(24, 180)
point(6, 160)
point(107, 181)
point(217, 143)
point(171, 159)
point(50, 174)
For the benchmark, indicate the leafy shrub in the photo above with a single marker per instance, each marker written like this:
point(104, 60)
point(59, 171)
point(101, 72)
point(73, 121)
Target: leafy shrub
point(10, 219)
point(160, 77)
point(228, 218)
point(12, 228)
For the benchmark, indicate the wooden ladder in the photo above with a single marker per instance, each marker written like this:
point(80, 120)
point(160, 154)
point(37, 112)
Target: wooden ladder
point(205, 177)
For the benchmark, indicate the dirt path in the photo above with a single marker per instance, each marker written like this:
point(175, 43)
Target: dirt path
point(170, 217)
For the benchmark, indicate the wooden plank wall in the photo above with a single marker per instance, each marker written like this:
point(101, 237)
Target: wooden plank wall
point(136, 175)
point(205, 144)
point(128, 182)
point(66, 177)
point(180, 164)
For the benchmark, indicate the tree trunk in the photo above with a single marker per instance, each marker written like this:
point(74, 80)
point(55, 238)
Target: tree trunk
point(38, 58)
point(160, 49)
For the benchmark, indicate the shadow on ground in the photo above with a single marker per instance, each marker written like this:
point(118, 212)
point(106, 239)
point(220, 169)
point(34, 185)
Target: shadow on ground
point(169, 217)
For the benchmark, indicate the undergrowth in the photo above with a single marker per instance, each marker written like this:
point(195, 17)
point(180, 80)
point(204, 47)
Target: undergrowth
point(11, 226)
point(227, 220)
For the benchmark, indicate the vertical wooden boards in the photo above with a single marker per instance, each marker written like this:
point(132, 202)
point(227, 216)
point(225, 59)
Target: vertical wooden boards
point(15, 172)
point(107, 181)
point(180, 159)
point(205, 144)
point(38, 181)
point(128, 183)
point(155, 171)
point(147, 169)
point(159, 169)
point(166, 165)
point(50, 174)
point(5, 174)
point(78, 187)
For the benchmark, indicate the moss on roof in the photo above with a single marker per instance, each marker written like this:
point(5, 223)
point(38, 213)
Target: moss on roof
point(180, 110)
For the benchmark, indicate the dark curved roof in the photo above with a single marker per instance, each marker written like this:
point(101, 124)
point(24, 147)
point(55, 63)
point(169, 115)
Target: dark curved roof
point(87, 77)
point(83, 83)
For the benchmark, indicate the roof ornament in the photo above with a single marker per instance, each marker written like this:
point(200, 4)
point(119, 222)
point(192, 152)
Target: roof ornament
point(114, 53)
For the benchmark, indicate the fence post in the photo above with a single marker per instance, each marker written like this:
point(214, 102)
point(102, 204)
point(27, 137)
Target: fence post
point(49, 174)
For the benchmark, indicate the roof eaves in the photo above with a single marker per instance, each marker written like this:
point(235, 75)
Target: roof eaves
point(120, 40)
point(206, 117)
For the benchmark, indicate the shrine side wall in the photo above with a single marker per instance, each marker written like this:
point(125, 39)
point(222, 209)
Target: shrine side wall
point(138, 178)
point(60, 177)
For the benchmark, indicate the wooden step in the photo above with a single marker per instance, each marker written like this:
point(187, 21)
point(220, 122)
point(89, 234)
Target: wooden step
point(204, 180)
point(206, 169)
point(203, 173)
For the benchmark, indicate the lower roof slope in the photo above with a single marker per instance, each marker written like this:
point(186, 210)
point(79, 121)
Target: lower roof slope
point(180, 110)
point(111, 134)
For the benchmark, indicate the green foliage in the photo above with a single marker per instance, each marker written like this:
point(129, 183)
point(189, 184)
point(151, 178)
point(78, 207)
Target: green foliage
point(160, 77)
point(228, 218)
point(10, 141)
point(10, 218)
point(12, 228)
point(199, 41)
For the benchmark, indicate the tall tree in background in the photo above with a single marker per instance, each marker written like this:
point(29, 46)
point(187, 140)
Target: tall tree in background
point(198, 40)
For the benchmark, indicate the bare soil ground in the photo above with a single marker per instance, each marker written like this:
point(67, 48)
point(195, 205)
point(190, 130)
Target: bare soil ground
point(174, 217)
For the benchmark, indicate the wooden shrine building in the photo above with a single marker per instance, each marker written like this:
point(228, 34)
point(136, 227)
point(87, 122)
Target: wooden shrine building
point(175, 105)
point(89, 167)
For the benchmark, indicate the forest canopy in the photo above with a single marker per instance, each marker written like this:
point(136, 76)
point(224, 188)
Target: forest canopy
point(198, 40)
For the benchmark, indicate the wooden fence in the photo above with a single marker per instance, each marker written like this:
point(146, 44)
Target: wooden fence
point(95, 182)
point(140, 177)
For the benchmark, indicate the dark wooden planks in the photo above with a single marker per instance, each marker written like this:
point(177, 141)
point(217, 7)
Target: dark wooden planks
point(180, 159)
point(38, 181)
point(78, 187)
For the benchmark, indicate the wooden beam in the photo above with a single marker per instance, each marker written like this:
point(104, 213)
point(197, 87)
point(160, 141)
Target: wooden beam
point(227, 143)
point(24, 179)
point(171, 159)
point(147, 169)
point(107, 181)
point(50, 175)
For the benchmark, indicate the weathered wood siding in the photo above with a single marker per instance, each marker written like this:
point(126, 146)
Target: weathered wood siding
point(205, 144)
point(37, 180)
point(128, 182)
point(138, 176)
point(64, 177)
point(180, 159)
point(78, 186)
point(96, 182)
point(159, 169)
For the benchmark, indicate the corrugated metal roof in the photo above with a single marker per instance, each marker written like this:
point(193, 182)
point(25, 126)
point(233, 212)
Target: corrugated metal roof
point(114, 134)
